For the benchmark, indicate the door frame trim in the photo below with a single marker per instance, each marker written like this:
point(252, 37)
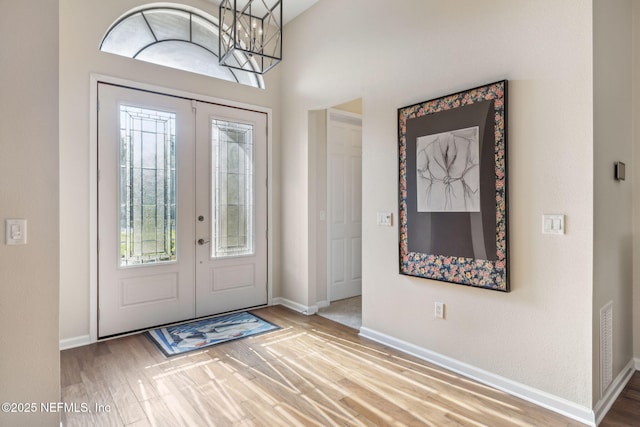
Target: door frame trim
point(94, 80)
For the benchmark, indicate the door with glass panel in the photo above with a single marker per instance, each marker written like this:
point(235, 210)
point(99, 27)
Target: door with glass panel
point(231, 209)
point(146, 254)
point(182, 209)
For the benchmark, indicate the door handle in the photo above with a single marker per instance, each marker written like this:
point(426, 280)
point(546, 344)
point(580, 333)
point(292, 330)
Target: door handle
point(202, 242)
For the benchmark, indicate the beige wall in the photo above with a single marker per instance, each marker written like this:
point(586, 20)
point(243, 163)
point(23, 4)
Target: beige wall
point(540, 334)
point(636, 180)
point(318, 202)
point(613, 141)
point(83, 23)
point(29, 275)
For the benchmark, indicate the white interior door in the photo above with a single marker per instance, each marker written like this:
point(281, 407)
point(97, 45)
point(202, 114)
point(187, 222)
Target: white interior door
point(344, 171)
point(182, 209)
point(146, 236)
point(231, 209)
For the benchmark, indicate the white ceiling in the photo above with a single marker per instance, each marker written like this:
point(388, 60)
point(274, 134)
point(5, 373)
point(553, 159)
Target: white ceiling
point(293, 8)
point(290, 8)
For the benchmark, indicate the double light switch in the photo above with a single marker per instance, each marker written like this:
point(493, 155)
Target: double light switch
point(552, 224)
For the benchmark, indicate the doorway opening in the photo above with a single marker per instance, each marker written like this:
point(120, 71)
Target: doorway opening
point(343, 215)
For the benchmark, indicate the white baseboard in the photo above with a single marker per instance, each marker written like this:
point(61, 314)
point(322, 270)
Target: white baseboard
point(323, 304)
point(541, 398)
point(300, 308)
point(68, 343)
point(614, 390)
point(637, 363)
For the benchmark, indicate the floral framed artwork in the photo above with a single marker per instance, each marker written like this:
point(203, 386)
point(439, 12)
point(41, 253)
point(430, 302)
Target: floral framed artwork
point(453, 188)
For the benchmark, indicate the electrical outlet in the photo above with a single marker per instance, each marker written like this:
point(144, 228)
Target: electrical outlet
point(439, 310)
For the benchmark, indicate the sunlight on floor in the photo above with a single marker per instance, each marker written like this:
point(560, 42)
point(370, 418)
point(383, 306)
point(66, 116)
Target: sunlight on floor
point(309, 373)
point(280, 375)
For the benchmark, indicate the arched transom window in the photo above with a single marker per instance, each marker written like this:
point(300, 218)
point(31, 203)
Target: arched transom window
point(175, 36)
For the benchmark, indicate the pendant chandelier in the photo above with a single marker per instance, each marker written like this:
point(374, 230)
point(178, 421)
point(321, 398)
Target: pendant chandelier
point(250, 34)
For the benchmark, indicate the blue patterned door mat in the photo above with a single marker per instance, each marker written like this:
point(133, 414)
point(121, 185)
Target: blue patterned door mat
point(199, 334)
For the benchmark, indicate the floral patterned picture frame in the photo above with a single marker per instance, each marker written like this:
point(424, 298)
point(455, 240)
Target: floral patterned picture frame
point(453, 207)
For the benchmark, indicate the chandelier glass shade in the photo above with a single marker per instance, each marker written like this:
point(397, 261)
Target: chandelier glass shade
point(250, 34)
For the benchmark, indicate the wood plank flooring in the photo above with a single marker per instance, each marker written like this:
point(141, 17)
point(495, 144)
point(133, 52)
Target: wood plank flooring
point(625, 412)
point(312, 372)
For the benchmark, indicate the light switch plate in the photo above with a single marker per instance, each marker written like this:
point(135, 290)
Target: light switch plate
point(16, 232)
point(552, 224)
point(385, 219)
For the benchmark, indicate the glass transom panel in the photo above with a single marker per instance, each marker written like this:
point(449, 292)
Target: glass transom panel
point(147, 186)
point(232, 183)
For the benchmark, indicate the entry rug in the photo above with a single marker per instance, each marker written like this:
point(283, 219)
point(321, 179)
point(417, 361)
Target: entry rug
point(199, 334)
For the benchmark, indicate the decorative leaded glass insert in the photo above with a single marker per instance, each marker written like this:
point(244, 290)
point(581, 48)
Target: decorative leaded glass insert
point(233, 189)
point(147, 186)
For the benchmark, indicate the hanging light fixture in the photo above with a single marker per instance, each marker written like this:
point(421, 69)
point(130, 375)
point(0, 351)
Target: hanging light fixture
point(250, 34)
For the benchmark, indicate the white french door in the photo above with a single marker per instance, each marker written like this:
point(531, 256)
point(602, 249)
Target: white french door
point(146, 147)
point(181, 209)
point(231, 209)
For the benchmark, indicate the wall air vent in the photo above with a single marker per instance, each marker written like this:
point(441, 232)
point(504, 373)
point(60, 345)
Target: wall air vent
point(606, 347)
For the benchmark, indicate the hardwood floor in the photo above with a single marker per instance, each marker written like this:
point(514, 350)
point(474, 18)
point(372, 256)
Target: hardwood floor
point(312, 372)
point(625, 412)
